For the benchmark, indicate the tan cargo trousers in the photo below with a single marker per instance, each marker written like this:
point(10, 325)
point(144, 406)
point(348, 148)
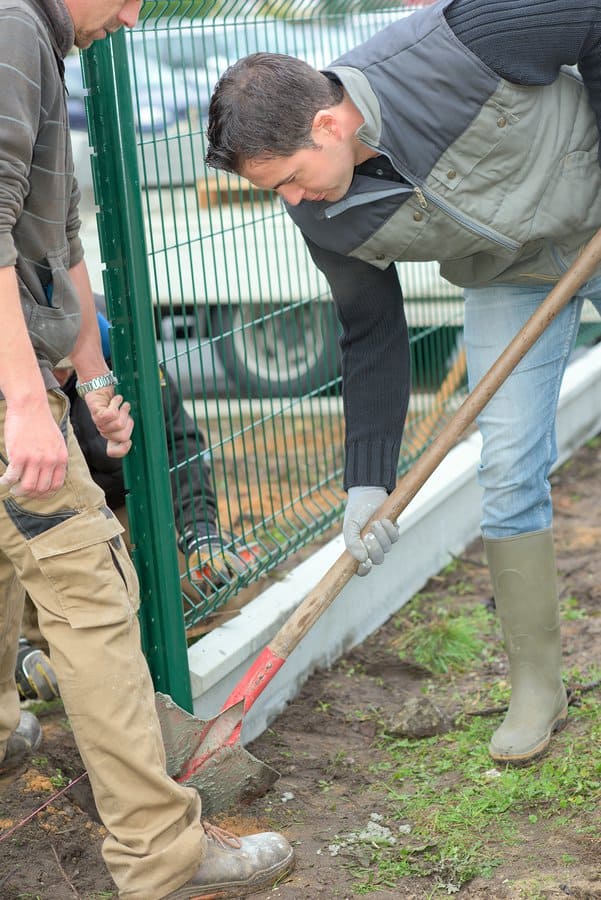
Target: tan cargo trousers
point(67, 552)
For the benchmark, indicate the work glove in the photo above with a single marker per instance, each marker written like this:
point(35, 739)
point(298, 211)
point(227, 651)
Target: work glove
point(362, 503)
point(213, 560)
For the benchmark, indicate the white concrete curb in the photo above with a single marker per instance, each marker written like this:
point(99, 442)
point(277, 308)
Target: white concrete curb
point(441, 520)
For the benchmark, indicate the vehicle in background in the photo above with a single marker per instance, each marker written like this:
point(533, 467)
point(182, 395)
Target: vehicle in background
point(199, 50)
point(76, 93)
point(160, 96)
point(269, 341)
point(268, 322)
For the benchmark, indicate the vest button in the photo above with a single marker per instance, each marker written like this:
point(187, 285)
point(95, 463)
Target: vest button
point(380, 256)
point(417, 216)
point(501, 121)
point(451, 174)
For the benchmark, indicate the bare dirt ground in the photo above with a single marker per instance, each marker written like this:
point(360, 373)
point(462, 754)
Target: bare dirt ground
point(328, 746)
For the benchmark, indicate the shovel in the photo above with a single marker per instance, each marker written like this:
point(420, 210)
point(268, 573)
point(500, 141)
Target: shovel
point(208, 755)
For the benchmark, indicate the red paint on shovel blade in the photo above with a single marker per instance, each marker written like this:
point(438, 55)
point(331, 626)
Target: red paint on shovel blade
point(248, 689)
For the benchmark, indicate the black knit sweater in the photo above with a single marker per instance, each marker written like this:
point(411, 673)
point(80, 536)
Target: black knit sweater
point(526, 41)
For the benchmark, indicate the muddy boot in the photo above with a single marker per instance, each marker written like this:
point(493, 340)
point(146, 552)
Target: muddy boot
point(26, 738)
point(237, 867)
point(523, 574)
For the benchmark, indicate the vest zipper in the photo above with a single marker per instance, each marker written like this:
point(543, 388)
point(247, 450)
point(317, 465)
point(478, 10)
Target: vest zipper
point(347, 202)
point(424, 195)
point(420, 198)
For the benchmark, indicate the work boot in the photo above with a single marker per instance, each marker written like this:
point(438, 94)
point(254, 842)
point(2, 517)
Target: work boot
point(25, 739)
point(237, 867)
point(34, 673)
point(524, 581)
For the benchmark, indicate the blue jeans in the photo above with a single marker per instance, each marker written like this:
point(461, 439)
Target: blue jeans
point(518, 424)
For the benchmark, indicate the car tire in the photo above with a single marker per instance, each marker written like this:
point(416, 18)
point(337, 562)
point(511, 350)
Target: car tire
point(274, 350)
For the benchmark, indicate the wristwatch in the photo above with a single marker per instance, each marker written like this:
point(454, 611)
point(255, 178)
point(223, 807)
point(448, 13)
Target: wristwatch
point(94, 384)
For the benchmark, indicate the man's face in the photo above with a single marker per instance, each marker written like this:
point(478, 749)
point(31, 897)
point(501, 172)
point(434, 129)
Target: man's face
point(94, 19)
point(323, 172)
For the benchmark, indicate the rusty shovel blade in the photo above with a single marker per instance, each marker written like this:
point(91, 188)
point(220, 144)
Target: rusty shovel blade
point(225, 775)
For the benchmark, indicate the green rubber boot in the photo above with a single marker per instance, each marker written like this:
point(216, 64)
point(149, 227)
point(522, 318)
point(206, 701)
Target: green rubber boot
point(524, 582)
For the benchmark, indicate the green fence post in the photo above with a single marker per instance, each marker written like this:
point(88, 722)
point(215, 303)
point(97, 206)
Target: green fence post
point(133, 345)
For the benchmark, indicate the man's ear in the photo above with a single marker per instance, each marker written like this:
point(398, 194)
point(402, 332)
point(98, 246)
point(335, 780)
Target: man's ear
point(325, 122)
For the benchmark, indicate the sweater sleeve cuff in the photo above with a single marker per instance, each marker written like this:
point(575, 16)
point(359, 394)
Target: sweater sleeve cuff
point(372, 463)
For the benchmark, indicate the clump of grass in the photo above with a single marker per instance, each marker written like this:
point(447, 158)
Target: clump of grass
point(464, 817)
point(571, 609)
point(445, 641)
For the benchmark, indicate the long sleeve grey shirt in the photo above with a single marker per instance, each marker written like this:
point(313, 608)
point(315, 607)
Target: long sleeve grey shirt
point(39, 220)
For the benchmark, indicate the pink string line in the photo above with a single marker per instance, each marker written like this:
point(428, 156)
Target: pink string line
point(40, 808)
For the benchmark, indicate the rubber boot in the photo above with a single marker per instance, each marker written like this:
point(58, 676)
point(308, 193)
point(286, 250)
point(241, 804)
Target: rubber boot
point(524, 581)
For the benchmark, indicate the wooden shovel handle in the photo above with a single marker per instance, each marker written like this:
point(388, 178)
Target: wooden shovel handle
point(328, 588)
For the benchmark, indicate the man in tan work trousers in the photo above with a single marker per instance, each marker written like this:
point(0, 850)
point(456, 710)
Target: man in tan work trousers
point(57, 535)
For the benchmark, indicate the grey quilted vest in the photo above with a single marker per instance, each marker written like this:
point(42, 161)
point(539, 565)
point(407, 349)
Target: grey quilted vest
point(502, 180)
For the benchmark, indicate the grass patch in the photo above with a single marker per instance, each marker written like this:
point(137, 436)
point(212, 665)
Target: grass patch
point(446, 641)
point(459, 815)
point(41, 708)
point(571, 610)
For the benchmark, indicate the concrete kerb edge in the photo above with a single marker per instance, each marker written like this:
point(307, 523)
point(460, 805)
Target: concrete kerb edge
point(441, 520)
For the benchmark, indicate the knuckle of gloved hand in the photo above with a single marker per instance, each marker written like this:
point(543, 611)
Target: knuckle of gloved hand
point(392, 530)
point(364, 568)
point(375, 550)
point(381, 535)
point(357, 549)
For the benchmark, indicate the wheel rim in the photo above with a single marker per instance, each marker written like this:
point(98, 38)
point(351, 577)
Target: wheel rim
point(287, 345)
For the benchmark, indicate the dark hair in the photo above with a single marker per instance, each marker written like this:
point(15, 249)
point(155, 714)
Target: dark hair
point(263, 106)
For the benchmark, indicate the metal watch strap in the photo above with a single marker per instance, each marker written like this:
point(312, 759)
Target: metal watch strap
point(94, 384)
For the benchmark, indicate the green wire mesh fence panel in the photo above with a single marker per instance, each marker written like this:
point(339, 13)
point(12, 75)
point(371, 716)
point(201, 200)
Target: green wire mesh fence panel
point(245, 325)
point(246, 328)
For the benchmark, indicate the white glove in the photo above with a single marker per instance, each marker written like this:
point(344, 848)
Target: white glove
point(362, 503)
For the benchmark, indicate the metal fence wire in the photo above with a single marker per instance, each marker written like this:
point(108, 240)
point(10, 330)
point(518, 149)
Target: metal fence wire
point(244, 324)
